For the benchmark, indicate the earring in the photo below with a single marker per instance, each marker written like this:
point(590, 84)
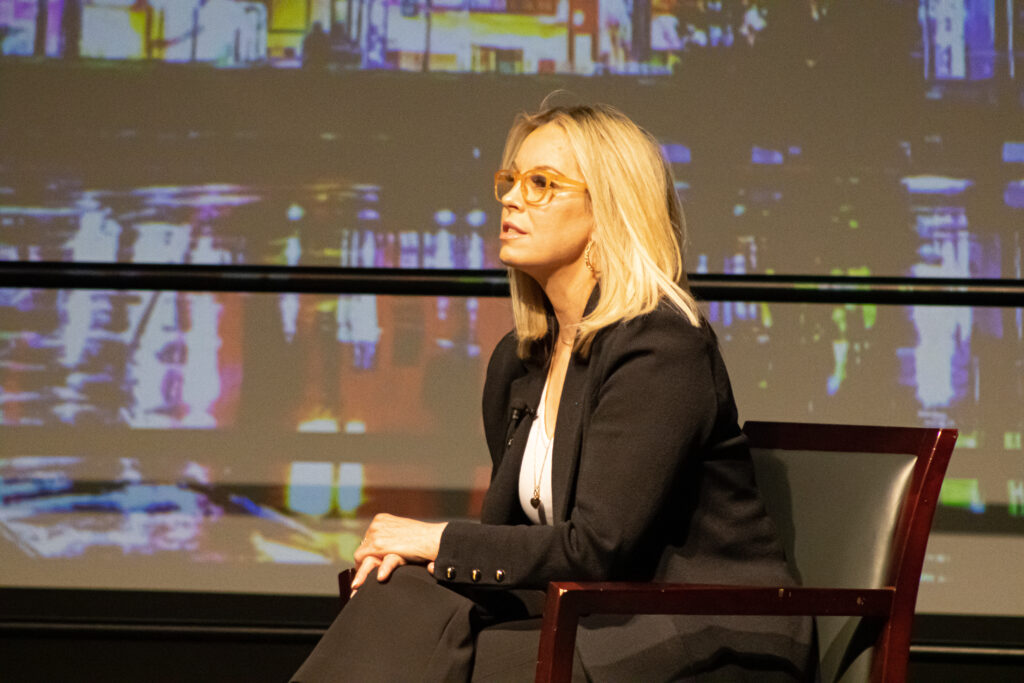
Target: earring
point(586, 257)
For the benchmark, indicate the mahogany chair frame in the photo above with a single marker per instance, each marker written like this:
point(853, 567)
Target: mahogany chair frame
point(892, 604)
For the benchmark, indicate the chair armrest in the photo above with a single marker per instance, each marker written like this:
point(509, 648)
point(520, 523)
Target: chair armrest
point(567, 601)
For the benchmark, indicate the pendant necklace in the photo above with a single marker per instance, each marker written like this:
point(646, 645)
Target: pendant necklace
point(535, 499)
point(548, 443)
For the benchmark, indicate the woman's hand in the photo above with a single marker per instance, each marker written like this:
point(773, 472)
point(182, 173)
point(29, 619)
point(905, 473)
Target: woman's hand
point(392, 541)
point(383, 566)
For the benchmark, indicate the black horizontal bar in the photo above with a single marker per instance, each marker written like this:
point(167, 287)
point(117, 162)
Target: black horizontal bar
point(209, 278)
point(22, 607)
point(859, 290)
point(159, 631)
point(322, 280)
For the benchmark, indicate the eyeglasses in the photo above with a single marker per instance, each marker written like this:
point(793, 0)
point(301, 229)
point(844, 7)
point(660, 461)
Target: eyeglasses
point(538, 185)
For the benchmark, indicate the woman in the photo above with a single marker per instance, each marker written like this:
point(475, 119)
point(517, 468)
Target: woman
point(615, 447)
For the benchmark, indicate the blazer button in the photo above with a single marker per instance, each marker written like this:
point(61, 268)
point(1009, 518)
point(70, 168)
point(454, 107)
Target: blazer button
point(475, 574)
point(449, 573)
point(499, 575)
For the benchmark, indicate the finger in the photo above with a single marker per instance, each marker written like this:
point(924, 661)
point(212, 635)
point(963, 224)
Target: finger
point(359, 579)
point(365, 567)
point(388, 565)
point(362, 570)
point(430, 567)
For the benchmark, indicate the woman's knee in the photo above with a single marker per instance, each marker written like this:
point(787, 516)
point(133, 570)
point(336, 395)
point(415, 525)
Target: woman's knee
point(403, 580)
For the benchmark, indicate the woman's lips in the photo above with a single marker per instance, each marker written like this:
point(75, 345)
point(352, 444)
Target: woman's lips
point(510, 232)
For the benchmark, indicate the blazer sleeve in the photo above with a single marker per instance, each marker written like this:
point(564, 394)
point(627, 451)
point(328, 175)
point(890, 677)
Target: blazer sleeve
point(650, 404)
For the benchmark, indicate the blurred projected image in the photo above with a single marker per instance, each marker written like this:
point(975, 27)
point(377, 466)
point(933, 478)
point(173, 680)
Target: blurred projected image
point(504, 36)
point(393, 376)
point(754, 208)
point(171, 360)
point(53, 507)
point(957, 40)
point(964, 44)
point(313, 413)
point(142, 359)
point(802, 159)
point(921, 365)
point(331, 409)
point(322, 224)
point(69, 521)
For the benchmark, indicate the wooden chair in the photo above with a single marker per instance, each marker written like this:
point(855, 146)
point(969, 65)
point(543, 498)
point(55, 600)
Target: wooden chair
point(854, 507)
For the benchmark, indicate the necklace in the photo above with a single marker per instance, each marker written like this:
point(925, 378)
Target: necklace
point(535, 498)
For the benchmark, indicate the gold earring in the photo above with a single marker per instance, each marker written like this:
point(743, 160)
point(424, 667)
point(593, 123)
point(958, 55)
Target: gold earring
point(586, 257)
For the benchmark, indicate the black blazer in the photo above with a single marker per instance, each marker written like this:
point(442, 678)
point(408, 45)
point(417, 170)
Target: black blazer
point(651, 480)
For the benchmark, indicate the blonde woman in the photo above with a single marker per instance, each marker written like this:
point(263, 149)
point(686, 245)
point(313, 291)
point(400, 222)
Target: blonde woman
point(615, 447)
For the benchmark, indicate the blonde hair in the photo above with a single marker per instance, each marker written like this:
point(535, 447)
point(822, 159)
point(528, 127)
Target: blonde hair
point(639, 231)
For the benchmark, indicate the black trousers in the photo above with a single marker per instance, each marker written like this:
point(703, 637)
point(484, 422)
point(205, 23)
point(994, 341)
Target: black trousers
point(413, 629)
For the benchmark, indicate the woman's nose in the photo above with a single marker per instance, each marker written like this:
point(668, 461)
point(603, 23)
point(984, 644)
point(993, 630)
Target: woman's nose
point(513, 199)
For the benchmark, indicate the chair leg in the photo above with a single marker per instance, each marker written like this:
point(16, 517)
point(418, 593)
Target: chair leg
point(557, 638)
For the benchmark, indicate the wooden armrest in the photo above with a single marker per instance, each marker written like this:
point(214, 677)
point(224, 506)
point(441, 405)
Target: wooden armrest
point(568, 600)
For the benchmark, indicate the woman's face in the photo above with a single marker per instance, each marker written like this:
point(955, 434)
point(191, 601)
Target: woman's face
point(543, 240)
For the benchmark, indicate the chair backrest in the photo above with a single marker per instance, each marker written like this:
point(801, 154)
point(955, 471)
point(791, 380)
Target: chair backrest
point(854, 507)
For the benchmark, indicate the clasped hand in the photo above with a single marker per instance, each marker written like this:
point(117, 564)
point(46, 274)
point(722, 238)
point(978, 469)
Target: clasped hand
point(392, 541)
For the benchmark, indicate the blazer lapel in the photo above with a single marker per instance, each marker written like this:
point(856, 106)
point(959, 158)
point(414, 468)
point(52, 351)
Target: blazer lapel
point(565, 451)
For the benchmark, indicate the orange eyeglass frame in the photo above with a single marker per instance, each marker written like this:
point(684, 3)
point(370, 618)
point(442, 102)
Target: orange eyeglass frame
point(508, 179)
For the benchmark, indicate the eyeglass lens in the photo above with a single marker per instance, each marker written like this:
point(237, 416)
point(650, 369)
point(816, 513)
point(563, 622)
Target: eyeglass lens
point(535, 185)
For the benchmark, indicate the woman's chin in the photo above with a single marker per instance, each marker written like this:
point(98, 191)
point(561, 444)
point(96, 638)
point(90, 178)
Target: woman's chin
point(508, 256)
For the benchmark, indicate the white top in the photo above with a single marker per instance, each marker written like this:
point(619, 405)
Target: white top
point(536, 468)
